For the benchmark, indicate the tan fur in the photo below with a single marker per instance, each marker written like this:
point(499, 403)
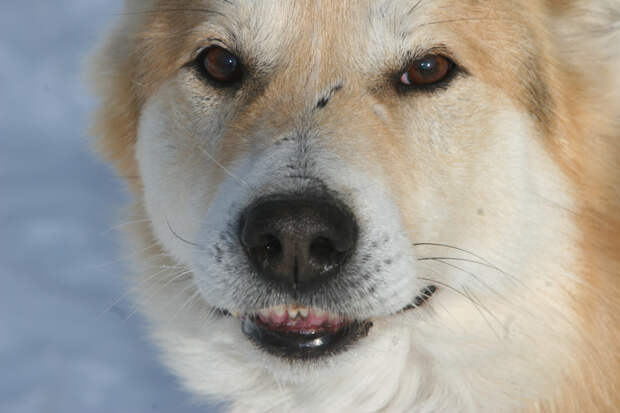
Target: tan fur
point(576, 105)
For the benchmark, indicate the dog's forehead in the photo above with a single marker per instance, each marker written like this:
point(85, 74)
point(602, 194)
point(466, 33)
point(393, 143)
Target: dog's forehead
point(373, 28)
point(360, 35)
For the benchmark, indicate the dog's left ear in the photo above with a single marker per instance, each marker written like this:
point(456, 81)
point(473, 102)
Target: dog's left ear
point(586, 43)
point(596, 22)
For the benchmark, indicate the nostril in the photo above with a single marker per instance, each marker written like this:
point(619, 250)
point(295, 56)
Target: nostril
point(266, 251)
point(324, 257)
point(271, 245)
point(322, 248)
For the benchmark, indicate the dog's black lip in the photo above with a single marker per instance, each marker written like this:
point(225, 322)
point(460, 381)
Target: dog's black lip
point(305, 346)
point(420, 300)
point(222, 313)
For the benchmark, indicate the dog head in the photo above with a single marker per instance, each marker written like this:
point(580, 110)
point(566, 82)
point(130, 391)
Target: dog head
point(371, 201)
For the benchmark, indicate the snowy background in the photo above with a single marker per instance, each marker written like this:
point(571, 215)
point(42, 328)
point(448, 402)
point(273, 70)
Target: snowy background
point(59, 261)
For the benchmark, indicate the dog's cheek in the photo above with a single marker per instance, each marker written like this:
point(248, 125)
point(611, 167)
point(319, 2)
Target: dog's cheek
point(472, 172)
point(178, 178)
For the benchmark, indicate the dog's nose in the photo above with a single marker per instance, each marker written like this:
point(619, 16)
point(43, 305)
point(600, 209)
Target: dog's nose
point(299, 242)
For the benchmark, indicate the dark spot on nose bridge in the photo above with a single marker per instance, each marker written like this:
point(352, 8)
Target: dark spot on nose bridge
point(324, 100)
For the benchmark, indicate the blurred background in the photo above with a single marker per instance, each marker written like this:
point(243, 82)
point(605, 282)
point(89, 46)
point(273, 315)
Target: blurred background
point(66, 344)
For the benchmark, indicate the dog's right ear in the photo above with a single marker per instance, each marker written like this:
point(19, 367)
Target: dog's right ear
point(112, 75)
point(130, 64)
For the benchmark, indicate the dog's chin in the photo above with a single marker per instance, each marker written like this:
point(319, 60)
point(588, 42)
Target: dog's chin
point(302, 333)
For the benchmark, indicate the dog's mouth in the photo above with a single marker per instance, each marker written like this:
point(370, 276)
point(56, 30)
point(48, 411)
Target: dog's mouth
point(297, 332)
point(302, 332)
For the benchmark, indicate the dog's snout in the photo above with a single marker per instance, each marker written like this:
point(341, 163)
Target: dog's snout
point(299, 242)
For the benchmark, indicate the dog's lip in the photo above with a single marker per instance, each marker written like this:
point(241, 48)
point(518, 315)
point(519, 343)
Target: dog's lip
point(304, 344)
point(295, 332)
point(425, 294)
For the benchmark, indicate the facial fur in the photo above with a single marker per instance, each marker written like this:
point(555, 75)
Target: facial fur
point(498, 188)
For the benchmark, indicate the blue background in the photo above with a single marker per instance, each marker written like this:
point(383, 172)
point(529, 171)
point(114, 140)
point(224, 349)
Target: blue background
point(60, 265)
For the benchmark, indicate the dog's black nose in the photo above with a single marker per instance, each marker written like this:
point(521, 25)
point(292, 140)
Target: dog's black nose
point(299, 242)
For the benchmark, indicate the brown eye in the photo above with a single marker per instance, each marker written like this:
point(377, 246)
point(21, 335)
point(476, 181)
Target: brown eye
point(427, 71)
point(220, 65)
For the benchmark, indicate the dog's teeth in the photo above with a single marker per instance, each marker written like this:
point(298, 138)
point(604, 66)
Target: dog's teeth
point(292, 314)
point(318, 313)
point(279, 310)
point(235, 314)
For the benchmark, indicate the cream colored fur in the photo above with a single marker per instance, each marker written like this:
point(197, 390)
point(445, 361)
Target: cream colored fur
point(513, 168)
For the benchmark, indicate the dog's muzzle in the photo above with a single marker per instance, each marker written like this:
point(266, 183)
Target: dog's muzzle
point(298, 243)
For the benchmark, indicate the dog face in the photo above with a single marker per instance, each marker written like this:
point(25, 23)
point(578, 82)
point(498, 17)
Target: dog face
point(356, 199)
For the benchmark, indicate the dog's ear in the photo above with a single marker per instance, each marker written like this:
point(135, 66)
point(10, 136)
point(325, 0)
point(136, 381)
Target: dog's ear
point(585, 42)
point(586, 37)
point(128, 66)
point(578, 23)
point(112, 74)
point(586, 34)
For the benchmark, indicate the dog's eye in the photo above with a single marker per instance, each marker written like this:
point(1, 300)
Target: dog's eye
point(427, 71)
point(220, 65)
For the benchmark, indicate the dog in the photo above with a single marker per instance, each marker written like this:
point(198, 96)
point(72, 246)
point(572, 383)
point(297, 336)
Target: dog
point(373, 206)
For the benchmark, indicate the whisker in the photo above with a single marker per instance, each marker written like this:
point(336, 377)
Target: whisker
point(415, 7)
point(438, 303)
point(476, 304)
point(229, 173)
point(475, 299)
point(448, 286)
point(471, 19)
point(195, 295)
point(435, 244)
point(483, 261)
point(474, 276)
point(123, 258)
point(209, 315)
point(126, 293)
point(179, 237)
point(484, 264)
point(160, 289)
point(124, 224)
